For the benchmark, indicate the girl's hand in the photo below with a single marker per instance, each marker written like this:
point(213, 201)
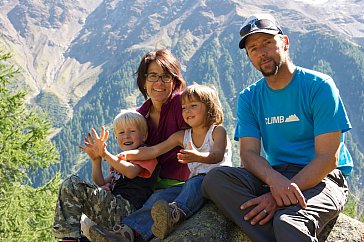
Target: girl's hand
point(191, 155)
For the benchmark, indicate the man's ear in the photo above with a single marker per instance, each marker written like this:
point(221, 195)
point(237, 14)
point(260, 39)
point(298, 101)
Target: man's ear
point(285, 42)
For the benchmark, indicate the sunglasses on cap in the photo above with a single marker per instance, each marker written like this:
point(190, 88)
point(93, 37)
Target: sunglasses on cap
point(259, 24)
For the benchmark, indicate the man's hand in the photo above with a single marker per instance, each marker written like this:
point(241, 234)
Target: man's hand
point(286, 193)
point(263, 211)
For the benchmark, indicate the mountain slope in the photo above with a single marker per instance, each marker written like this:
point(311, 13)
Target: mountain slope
point(51, 40)
point(39, 33)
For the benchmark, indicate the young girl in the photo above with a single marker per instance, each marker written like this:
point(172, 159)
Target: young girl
point(205, 146)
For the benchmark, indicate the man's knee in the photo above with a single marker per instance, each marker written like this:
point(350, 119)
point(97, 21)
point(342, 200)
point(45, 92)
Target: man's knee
point(294, 224)
point(213, 180)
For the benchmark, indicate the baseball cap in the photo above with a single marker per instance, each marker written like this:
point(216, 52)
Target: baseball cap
point(259, 23)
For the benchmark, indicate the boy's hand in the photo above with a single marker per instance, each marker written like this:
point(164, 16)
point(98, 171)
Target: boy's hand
point(89, 151)
point(107, 187)
point(98, 145)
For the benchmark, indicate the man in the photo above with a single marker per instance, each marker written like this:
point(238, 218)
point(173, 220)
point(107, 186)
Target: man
point(295, 190)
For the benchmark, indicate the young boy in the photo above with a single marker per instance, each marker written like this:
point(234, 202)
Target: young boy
point(123, 191)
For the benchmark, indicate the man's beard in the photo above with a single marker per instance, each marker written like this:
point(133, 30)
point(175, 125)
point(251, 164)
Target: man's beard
point(272, 71)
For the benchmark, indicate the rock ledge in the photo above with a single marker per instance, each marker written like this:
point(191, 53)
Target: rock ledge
point(210, 225)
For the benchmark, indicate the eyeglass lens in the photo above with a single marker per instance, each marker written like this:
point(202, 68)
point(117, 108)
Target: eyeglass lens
point(153, 77)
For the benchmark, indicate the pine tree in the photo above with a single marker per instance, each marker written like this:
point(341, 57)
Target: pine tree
point(26, 213)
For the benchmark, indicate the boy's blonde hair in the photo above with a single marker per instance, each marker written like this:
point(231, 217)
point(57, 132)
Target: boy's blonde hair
point(129, 116)
point(208, 96)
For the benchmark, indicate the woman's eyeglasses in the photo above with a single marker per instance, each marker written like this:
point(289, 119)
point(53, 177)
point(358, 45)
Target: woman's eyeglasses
point(154, 77)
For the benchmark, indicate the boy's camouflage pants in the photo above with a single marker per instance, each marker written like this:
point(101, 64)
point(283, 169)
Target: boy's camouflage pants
point(76, 197)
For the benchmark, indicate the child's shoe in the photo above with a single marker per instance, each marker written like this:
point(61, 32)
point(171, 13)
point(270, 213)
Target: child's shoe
point(69, 239)
point(120, 233)
point(166, 216)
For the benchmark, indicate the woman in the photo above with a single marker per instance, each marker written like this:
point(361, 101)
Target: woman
point(160, 81)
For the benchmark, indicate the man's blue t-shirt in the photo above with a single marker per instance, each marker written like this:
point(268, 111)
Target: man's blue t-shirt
point(288, 120)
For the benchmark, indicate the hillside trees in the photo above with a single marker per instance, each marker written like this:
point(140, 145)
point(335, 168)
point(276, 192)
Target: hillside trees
point(26, 213)
point(97, 108)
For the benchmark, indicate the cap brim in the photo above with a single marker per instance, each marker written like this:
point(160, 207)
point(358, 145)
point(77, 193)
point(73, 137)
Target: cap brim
point(266, 31)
